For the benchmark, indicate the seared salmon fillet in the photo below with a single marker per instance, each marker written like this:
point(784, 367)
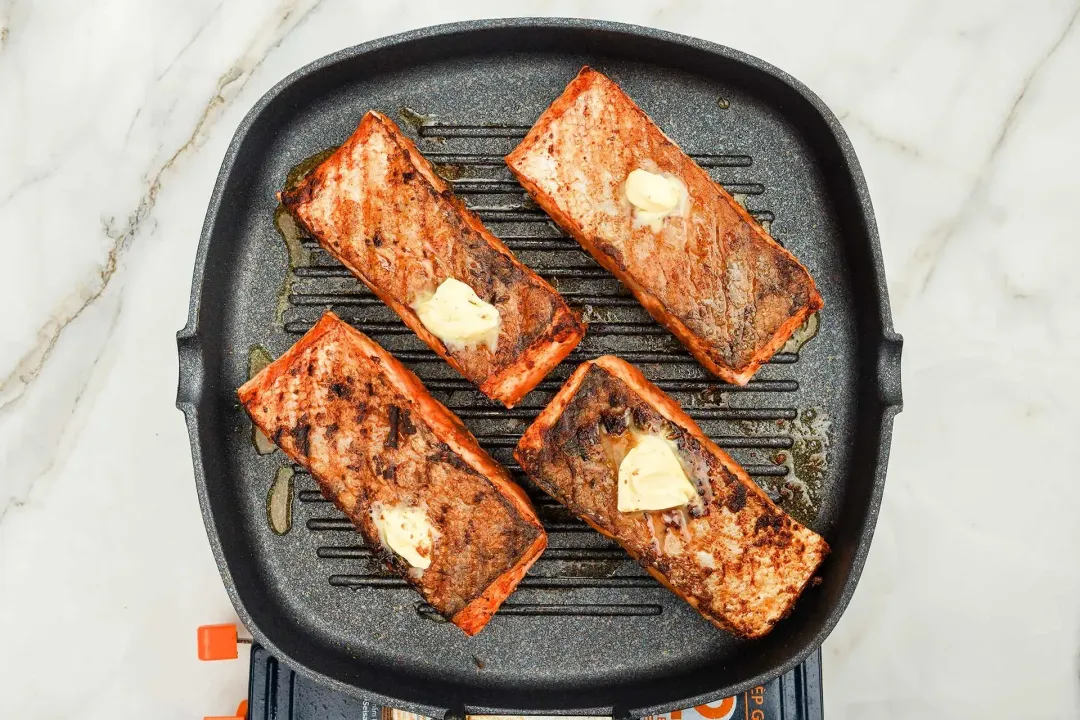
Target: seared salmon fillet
point(381, 447)
point(706, 271)
point(378, 207)
point(729, 552)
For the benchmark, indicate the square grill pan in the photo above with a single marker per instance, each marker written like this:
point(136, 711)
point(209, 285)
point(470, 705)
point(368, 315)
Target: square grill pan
point(588, 632)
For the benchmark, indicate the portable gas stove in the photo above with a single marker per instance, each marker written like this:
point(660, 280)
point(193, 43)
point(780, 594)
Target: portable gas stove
point(275, 692)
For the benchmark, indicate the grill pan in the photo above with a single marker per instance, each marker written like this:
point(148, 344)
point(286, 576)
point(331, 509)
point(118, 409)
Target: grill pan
point(588, 632)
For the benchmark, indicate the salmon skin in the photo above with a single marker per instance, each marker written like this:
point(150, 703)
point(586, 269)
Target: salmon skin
point(710, 274)
point(379, 207)
point(732, 554)
point(372, 436)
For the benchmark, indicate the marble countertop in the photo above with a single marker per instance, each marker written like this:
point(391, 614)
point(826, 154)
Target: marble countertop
point(114, 118)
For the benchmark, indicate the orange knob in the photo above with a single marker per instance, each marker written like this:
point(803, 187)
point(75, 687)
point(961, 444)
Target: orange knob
point(217, 642)
point(241, 713)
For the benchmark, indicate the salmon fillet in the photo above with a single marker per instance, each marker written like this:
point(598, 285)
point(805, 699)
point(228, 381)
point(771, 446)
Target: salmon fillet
point(378, 207)
point(729, 292)
point(372, 436)
point(733, 555)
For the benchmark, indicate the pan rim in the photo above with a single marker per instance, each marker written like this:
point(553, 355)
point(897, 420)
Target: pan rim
point(191, 368)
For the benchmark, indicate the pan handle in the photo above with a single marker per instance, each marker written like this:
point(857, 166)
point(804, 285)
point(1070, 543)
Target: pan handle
point(889, 371)
point(189, 382)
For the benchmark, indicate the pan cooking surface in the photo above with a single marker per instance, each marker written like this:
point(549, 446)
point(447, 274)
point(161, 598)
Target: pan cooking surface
point(587, 629)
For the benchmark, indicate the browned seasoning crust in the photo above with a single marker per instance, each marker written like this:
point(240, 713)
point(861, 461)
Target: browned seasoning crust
point(739, 560)
point(714, 278)
point(377, 206)
point(367, 429)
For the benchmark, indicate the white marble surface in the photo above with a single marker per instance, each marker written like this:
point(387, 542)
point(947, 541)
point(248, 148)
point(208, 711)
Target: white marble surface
point(114, 117)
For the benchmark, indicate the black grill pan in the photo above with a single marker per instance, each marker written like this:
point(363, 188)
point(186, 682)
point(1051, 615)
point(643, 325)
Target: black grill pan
point(588, 632)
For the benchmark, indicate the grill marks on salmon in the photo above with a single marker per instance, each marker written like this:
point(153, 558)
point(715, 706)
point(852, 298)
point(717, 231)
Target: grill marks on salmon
point(712, 275)
point(379, 207)
point(736, 557)
point(369, 432)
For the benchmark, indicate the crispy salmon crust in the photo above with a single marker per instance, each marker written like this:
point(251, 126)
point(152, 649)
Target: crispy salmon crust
point(736, 557)
point(377, 205)
point(712, 275)
point(369, 432)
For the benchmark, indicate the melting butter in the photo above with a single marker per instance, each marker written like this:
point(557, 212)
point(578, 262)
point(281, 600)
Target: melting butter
point(654, 197)
point(802, 335)
point(458, 317)
point(279, 501)
point(652, 478)
point(406, 531)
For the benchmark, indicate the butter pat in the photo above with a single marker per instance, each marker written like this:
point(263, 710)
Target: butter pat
point(651, 477)
point(458, 317)
point(654, 197)
point(406, 531)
